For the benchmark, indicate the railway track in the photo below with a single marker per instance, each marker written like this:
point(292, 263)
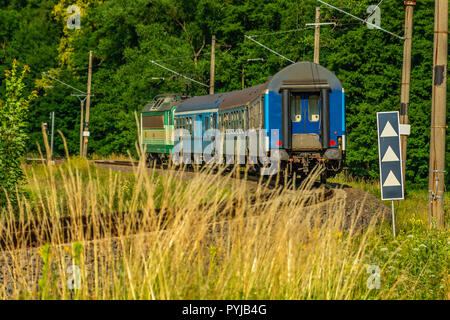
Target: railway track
point(35, 233)
point(249, 176)
point(126, 163)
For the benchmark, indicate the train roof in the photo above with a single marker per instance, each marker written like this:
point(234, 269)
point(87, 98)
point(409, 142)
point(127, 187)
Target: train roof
point(163, 102)
point(303, 76)
point(243, 97)
point(202, 103)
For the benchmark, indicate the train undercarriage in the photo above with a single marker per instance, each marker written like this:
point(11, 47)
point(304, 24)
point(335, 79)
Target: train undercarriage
point(299, 164)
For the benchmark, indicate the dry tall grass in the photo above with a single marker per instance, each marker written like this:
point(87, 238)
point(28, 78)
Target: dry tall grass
point(167, 237)
point(168, 234)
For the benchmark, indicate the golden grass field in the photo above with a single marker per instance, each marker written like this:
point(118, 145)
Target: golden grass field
point(149, 234)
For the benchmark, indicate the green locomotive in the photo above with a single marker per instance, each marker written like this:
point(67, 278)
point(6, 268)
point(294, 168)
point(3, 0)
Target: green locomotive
point(157, 126)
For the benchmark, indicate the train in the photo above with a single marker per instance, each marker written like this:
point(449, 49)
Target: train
point(300, 112)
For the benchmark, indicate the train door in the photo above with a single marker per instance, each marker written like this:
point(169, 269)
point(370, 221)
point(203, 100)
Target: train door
point(305, 110)
point(312, 113)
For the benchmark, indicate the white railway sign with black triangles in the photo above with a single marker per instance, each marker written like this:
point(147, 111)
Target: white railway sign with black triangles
point(390, 155)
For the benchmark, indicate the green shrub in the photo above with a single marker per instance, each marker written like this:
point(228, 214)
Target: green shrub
point(13, 114)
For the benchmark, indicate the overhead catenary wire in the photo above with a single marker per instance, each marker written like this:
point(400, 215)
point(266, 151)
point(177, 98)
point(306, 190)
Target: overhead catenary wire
point(375, 8)
point(362, 20)
point(278, 32)
point(182, 57)
point(68, 85)
point(271, 50)
point(178, 74)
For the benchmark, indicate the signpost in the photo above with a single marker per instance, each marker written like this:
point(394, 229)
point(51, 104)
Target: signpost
point(390, 157)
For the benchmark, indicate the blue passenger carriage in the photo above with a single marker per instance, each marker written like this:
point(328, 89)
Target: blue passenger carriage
point(301, 110)
point(198, 115)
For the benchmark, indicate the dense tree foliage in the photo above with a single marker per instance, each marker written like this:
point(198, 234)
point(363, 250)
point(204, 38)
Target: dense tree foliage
point(126, 35)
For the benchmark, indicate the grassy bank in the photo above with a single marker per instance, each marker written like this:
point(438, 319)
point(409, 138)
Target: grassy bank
point(207, 237)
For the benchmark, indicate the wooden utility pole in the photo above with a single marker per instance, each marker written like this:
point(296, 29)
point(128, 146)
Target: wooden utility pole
point(317, 37)
point(406, 76)
point(88, 105)
point(213, 66)
point(438, 116)
point(81, 127)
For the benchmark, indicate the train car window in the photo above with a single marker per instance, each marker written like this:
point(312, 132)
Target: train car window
point(190, 125)
point(152, 122)
point(296, 108)
point(238, 122)
point(231, 120)
point(245, 119)
point(241, 118)
point(313, 108)
point(254, 120)
point(206, 123)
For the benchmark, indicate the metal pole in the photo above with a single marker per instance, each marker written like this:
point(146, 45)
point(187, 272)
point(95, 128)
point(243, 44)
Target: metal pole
point(213, 65)
point(393, 219)
point(88, 105)
point(406, 75)
point(438, 116)
point(52, 116)
point(317, 37)
point(81, 127)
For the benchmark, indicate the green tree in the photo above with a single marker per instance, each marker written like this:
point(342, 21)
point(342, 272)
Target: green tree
point(126, 35)
point(13, 113)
